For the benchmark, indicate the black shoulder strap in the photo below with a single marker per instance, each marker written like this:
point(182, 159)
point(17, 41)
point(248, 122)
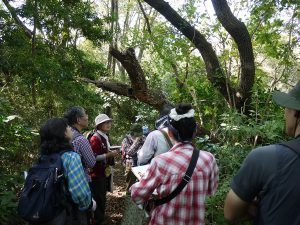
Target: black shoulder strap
point(167, 138)
point(184, 181)
point(293, 145)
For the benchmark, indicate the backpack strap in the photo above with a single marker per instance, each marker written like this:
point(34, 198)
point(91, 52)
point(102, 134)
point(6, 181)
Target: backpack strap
point(294, 145)
point(184, 181)
point(167, 138)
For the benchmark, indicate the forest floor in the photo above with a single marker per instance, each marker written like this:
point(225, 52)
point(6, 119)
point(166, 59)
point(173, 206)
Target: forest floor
point(119, 207)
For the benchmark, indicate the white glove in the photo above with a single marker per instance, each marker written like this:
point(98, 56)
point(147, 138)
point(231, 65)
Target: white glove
point(94, 205)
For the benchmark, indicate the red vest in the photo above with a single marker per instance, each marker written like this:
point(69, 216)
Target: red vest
point(99, 146)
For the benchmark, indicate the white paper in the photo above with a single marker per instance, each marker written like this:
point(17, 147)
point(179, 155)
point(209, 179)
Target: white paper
point(140, 171)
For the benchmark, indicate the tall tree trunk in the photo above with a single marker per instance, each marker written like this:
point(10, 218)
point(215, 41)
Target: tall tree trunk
point(115, 37)
point(236, 98)
point(33, 47)
point(112, 11)
point(111, 62)
point(242, 38)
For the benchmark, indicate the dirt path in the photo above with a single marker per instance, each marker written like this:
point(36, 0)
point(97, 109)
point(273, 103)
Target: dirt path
point(115, 203)
point(119, 207)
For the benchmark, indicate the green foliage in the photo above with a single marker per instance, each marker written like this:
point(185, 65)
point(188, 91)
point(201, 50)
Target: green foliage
point(7, 206)
point(8, 200)
point(17, 132)
point(240, 128)
point(238, 135)
point(17, 149)
point(275, 29)
point(39, 78)
point(37, 74)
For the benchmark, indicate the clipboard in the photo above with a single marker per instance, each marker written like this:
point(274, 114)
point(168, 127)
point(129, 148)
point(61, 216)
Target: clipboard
point(140, 171)
point(115, 147)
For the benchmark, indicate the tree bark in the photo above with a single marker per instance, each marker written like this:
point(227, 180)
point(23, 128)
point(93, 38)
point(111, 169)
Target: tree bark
point(132, 66)
point(112, 14)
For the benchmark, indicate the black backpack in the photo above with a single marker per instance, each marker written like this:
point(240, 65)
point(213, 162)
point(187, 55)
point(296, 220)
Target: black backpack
point(44, 194)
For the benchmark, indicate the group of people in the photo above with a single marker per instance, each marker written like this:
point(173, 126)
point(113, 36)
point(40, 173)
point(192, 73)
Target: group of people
point(264, 190)
point(86, 163)
point(169, 167)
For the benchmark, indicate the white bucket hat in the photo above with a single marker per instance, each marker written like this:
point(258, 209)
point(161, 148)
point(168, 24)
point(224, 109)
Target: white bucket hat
point(101, 118)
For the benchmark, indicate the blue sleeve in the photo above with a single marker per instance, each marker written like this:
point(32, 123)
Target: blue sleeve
point(77, 182)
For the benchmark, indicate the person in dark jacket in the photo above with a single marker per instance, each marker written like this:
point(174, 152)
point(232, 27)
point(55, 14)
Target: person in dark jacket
point(266, 189)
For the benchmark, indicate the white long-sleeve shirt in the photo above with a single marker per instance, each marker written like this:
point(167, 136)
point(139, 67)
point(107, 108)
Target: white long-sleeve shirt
point(154, 145)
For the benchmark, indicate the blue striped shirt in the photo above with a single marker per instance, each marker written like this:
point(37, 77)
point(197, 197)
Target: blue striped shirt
point(77, 183)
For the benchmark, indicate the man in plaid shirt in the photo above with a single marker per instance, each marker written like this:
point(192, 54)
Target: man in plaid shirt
point(167, 170)
point(78, 120)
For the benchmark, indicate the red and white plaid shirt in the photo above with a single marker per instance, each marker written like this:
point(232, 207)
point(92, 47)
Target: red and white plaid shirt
point(165, 173)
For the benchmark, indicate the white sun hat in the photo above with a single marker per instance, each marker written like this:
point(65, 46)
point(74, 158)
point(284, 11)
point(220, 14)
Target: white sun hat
point(101, 118)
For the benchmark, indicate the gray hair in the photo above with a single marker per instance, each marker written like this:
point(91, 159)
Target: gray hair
point(73, 113)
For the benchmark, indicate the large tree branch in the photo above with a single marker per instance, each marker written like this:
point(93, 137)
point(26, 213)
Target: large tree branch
point(138, 89)
point(28, 32)
point(151, 97)
point(133, 68)
point(213, 67)
point(241, 36)
point(112, 86)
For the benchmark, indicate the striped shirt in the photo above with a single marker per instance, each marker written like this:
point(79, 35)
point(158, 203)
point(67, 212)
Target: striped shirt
point(77, 183)
point(83, 148)
point(130, 147)
point(165, 173)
